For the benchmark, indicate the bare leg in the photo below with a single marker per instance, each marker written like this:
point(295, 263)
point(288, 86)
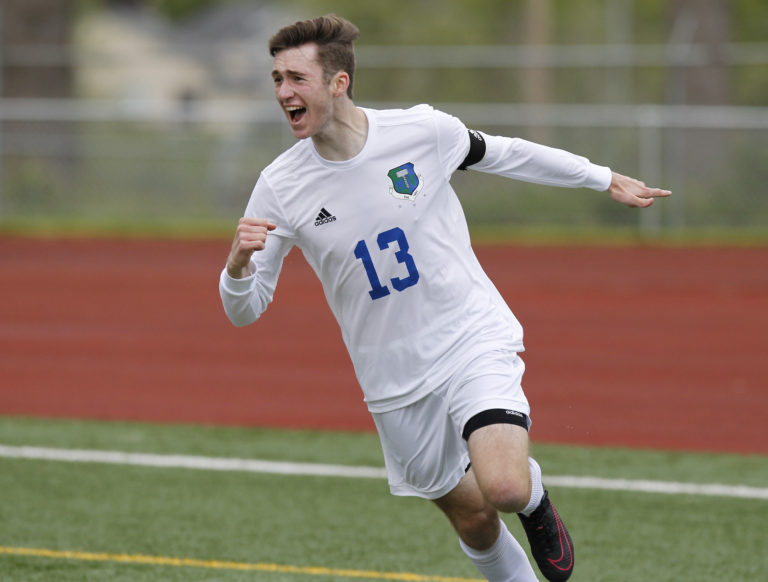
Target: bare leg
point(484, 538)
point(499, 455)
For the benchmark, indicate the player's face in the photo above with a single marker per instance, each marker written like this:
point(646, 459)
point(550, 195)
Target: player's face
point(302, 91)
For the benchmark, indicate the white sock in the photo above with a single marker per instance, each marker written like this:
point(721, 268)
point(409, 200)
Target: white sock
point(537, 488)
point(504, 561)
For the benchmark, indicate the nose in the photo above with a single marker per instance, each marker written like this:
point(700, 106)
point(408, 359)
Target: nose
point(283, 91)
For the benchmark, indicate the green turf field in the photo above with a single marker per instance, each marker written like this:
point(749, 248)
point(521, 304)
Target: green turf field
point(128, 523)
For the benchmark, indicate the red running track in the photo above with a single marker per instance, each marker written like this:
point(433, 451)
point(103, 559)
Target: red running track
point(638, 346)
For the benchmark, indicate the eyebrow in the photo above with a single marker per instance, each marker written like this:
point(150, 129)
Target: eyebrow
point(288, 72)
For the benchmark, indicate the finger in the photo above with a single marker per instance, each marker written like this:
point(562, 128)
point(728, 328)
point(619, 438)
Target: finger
point(651, 193)
point(253, 222)
point(251, 231)
point(249, 227)
point(257, 238)
point(644, 202)
point(255, 243)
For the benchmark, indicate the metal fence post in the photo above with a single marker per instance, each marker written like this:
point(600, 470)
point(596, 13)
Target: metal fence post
point(650, 165)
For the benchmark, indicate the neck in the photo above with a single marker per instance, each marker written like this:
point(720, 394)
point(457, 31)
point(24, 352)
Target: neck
point(344, 135)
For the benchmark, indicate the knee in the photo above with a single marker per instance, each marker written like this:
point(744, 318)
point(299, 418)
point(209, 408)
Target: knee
point(508, 495)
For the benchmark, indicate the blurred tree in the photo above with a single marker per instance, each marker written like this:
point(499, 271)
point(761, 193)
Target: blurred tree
point(750, 20)
point(537, 81)
point(180, 9)
point(175, 10)
point(35, 37)
point(538, 33)
point(707, 23)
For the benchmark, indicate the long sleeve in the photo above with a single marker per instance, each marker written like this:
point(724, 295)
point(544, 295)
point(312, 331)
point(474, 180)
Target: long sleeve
point(245, 299)
point(530, 162)
point(241, 300)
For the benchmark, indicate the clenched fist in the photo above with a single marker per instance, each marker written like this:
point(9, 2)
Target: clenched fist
point(251, 235)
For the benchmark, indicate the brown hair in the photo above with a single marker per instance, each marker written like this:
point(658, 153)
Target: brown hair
point(334, 37)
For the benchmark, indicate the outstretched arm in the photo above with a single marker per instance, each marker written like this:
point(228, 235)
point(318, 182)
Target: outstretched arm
point(633, 192)
point(523, 160)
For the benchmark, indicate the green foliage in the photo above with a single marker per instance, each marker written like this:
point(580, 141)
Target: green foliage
point(750, 20)
point(180, 9)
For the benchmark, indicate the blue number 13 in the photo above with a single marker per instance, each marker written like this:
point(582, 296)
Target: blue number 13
point(393, 235)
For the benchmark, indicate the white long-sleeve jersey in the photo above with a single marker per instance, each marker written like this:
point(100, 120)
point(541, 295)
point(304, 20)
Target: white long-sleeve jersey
point(387, 237)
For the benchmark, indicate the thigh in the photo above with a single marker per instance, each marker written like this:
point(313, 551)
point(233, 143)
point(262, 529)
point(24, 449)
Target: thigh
point(499, 452)
point(499, 456)
point(490, 401)
point(424, 453)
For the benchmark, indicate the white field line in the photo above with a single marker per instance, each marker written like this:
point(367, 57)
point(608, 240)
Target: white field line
point(668, 487)
point(345, 471)
point(190, 462)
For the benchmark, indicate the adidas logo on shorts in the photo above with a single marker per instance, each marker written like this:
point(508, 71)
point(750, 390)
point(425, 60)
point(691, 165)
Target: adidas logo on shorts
point(324, 217)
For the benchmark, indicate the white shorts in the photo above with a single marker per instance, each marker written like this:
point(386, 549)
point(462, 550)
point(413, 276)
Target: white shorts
point(424, 452)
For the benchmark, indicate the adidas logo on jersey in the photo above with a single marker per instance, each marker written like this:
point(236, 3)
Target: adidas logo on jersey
point(324, 217)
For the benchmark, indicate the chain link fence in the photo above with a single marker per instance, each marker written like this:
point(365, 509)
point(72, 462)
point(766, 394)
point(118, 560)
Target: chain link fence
point(158, 127)
point(136, 164)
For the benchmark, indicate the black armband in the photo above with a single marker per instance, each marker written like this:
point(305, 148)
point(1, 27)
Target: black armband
point(476, 149)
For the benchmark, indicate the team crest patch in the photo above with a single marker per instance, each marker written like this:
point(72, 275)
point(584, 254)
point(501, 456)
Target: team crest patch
point(406, 184)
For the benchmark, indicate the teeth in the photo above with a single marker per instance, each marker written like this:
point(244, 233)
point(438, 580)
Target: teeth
point(293, 108)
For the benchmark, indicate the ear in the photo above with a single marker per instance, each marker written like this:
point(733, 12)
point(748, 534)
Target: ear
point(340, 83)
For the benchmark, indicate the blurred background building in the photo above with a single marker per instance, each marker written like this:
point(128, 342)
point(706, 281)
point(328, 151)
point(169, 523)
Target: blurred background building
point(156, 115)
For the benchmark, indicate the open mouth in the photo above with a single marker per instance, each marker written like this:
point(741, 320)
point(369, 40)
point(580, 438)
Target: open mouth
point(295, 112)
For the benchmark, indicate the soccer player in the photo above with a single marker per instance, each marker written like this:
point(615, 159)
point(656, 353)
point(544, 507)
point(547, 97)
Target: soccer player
point(366, 195)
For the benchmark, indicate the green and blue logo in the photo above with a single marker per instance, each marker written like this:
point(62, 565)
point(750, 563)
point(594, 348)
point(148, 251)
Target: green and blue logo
point(405, 182)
